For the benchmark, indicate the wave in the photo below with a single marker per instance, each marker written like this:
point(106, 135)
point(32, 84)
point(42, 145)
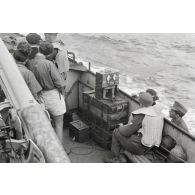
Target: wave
point(101, 37)
point(164, 62)
point(186, 47)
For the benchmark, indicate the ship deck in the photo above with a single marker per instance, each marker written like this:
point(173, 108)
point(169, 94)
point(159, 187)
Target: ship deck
point(88, 152)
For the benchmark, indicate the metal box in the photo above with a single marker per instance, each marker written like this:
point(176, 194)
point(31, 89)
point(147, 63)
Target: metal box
point(106, 85)
point(80, 131)
point(107, 78)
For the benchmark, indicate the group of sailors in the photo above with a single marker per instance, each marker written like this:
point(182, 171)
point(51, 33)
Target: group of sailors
point(144, 129)
point(44, 66)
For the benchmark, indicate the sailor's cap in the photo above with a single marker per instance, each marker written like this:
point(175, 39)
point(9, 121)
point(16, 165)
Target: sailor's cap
point(146, 99)
point(46, 48)
point(179, 107)
point(153, 93)
point(33, 38)
point(24, 47)
point(58, 44)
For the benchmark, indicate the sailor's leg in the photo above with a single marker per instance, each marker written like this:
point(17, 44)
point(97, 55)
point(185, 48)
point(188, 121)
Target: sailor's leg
point(117, 142)
point(132, 144)
point(58, 121)
point(135, 146)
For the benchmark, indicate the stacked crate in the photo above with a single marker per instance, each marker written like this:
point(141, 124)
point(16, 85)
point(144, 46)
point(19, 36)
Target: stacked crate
point(104, 116)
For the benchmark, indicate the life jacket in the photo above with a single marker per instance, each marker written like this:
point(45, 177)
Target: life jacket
point(152, 125)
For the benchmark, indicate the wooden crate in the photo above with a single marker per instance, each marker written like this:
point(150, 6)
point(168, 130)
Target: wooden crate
point(101, 141)
point(107, 106)
point(92, 119)
point(106, 135)
point(103, 116)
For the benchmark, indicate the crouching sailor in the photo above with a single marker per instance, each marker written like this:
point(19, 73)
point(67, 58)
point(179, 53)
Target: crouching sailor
point(143, 132)
point(176, 113)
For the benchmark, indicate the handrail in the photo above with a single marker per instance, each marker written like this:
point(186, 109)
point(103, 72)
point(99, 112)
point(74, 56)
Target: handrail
point(180, 129)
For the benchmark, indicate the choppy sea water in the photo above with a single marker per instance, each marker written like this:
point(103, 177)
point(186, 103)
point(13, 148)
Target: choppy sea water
point(164, 62)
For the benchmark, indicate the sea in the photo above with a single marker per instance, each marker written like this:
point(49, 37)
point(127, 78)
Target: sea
point(163, 62)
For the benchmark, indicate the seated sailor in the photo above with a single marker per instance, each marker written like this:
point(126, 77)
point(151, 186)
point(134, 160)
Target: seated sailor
point(143, 132)
point(176, 113)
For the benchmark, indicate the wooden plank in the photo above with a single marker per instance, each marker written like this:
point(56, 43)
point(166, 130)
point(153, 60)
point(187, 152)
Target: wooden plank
point(136, 158)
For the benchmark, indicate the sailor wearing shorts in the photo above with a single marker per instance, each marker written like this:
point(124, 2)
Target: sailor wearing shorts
point(53, 86)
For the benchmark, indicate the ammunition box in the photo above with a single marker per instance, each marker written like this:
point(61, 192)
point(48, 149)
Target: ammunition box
point(105, 81)
point(107, 78)
point(79, 130)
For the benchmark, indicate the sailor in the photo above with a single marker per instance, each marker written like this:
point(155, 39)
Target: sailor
point(59, 55)
point(154, 95)
point(53, 86)
point(21, 57)
point(152, 92)
point(34, 40)
point(176, 113)
point(144, 131)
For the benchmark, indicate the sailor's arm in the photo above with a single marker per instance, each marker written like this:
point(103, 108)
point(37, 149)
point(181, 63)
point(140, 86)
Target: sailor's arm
point(58, 81)
point(63, 63)
point(130, 129)
point(34, 86)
